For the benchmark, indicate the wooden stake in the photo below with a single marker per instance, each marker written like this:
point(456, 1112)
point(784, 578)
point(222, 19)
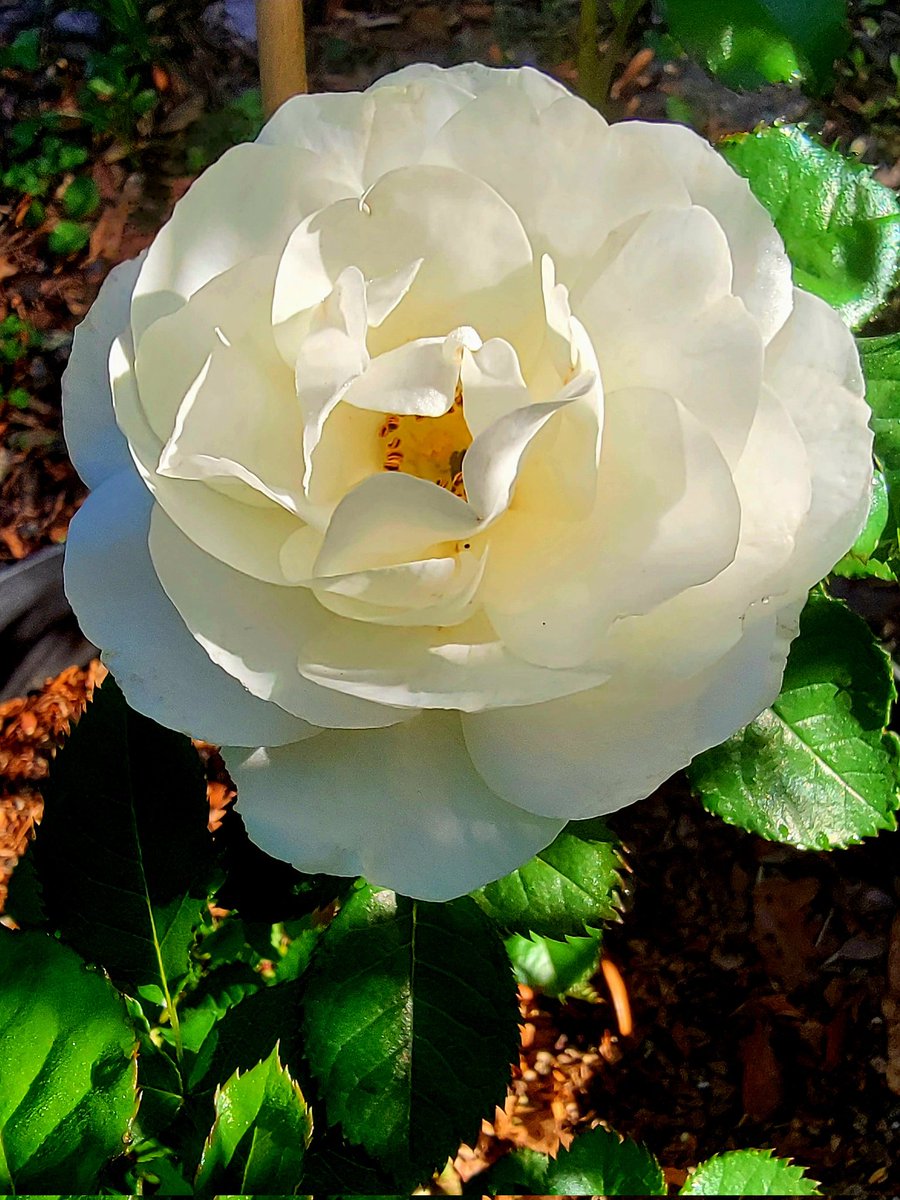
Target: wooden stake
point(282, 51)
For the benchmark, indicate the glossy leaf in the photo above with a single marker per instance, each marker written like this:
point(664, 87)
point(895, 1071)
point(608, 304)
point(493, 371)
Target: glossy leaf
point(555, 967)
point(68, 1074)
point(749, 42)
point(748, 1173)
point(868, 557)
point(410, 1027)
point(260, 1135)
point(122, 852)
point(598, 1162)
point(574, 883)
point(816, 770)
point(840, 226)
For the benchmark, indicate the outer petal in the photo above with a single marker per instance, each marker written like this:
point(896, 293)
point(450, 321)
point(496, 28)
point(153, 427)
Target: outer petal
point(245, 205)
point(762, 270)
point(813, 367)
point(164, 672)
point(659, 311)
point(254, 630)
point(96, 446)
point(359, 137)
point(401, 806)
point(597, 751)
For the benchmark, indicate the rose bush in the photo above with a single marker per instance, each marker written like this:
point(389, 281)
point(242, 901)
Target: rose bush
point(462, 464)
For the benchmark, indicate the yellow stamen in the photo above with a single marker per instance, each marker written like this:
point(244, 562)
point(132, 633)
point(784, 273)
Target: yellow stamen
point(431, 448)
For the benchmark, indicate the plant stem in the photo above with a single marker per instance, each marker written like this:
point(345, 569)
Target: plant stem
point(589, 68)
point(282, 51)
point(607, 65)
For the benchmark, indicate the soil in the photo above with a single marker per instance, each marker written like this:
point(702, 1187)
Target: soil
point(764, 983)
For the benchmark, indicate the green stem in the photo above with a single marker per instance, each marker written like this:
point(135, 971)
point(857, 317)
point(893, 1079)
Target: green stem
point(606, 66)
point(588, 54)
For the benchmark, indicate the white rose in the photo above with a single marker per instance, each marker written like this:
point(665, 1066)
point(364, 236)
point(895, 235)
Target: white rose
point(462, 463)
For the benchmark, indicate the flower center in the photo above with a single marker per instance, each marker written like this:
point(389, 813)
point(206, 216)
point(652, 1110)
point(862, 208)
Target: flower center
point(431, 448)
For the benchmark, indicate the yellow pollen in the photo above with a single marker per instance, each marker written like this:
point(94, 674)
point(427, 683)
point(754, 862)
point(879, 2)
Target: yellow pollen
point(431, 448)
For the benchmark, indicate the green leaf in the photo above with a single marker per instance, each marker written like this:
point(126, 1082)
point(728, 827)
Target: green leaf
point(863, 559)
point(840, 226)
point(81, 198)
point(557, 968)
point(880, 358)
point(749, 42)
point(260, 1134)
point(574, 883)
point(748, 1173)
point(123, 853)
point(410, 1025)
point(816, 769)
point(598, 1162)
point(68, 1074)
point(24, 52)
point(68, 237)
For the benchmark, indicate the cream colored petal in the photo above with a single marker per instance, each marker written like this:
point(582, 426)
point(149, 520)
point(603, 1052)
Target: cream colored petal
point(466, 667)
point(813, 367)
point(492, 385)
point(94, 441)
point(254, 631)
point(239, 421)
point(121, 607)
point(599, 750)
point(762, 270)
point(477, 266)
point(439, 591)
point(492, 463)
point(660, 315)
point(243, 206)
point(402, 807)
point(666, 517)
point(418, 378)
point(475, 79)
point(392, 518)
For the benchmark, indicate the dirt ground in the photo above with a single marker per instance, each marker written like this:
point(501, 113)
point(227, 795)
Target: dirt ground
point(764, 983)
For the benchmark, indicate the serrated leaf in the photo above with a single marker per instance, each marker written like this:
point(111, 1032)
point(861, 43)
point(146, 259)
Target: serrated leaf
point(841, 227)
point(599, 1162)
point(572, 884)
point(68, 1075)
point(880, 358)
point(748, 1173)
point(866, 558)
point(260, 1134)
point(410, 1026)
point(815, 770)
point(122, 852)
point(551, 966)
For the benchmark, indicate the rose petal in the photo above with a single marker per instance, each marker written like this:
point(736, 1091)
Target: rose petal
point(254, 630)
point(432, 829)
point(95, 443)
point(660, 315)
point(599, 750)
point(477, 267)
point(813, 367)
point(762, 269)
point(245, 207)
point(161, 668)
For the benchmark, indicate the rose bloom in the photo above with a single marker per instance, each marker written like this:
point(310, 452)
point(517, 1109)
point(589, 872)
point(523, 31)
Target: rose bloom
point(461, 464)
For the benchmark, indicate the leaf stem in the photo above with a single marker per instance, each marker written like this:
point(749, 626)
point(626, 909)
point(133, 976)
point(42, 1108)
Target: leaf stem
point(282, 51)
